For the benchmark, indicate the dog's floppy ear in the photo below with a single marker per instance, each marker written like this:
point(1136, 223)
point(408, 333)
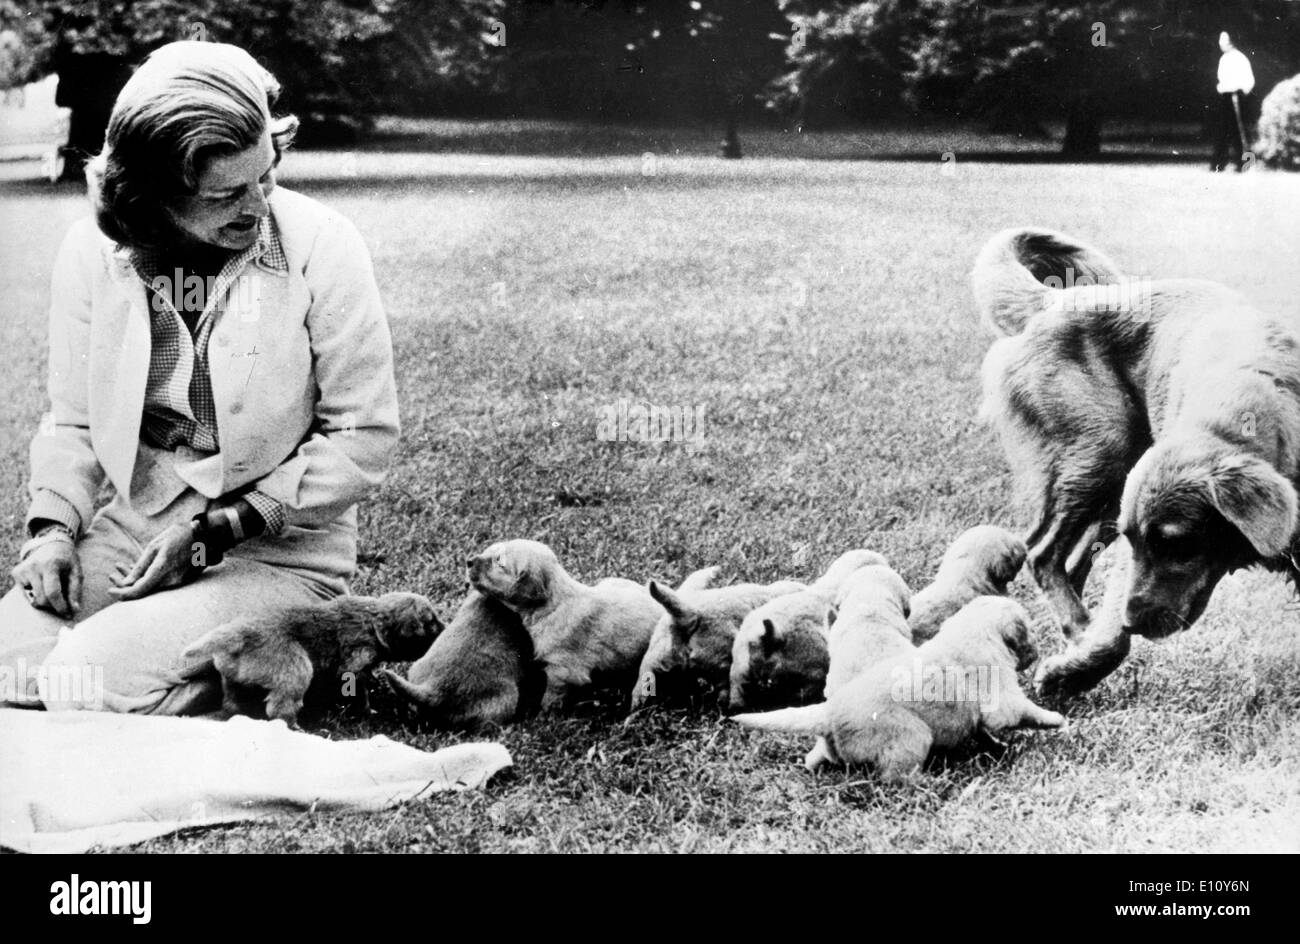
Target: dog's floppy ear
point(530, 587)
point(1257, 500)
point(1022, 647)
point(1008, 562)
point(768, 639)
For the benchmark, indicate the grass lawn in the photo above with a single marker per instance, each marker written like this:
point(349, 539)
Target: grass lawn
point(816, 308)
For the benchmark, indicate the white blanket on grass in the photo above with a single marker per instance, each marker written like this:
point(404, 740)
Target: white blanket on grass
point(73, 780)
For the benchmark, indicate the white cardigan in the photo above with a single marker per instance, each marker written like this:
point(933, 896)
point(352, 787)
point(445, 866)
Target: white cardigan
point(301, 368)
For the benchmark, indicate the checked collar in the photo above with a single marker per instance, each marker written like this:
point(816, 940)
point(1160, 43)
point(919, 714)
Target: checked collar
point(267, 252)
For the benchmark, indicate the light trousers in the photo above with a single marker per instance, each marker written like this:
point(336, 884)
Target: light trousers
point(126, 655)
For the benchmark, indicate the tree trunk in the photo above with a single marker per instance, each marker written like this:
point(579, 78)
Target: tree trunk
point(88, 84)
point(1082, 128)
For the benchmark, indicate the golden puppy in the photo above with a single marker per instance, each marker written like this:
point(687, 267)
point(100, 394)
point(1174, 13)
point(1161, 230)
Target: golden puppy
point(779, 656)
point(981, 562)
point(274, 659)
point(582, 635)
point(478, 671)
point(961, 682)
point(868, 624)
point(691, 645)
point(1165, 411)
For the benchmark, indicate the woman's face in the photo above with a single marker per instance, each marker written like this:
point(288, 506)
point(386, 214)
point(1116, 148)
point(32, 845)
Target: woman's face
point(230, 199)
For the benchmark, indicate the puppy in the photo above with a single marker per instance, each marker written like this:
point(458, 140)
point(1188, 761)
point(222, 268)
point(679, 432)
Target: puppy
point(478, 672)
point(961, 682)
point(1165, 411)
point(274, 659)
point(779, 656)
point(691, 644)
point(982, 561)
point(867, 624)
point(583, 635)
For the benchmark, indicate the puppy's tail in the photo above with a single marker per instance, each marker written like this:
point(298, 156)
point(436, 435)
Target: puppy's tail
point(810, 719)
point(412, 693)
point(1018, 271)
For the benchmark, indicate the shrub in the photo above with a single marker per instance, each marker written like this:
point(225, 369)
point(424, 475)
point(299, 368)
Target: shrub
point(1278, 143)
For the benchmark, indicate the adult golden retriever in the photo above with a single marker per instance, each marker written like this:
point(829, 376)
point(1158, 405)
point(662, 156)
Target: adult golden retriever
point(1167, 412)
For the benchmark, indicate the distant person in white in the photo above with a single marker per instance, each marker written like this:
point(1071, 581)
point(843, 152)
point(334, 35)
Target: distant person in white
point(1236, 82)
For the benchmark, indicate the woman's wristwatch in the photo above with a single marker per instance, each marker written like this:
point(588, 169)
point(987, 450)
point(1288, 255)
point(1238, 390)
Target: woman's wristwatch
point(220, 528)
point(46, 533)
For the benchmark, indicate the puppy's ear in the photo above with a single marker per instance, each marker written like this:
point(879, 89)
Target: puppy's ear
point(1008, 563)
point(530, 587)
point(1015, 636)
point(768, 639)
point(1257, 500)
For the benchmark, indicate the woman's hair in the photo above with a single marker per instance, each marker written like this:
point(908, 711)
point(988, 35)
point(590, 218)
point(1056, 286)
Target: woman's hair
point(188, 102)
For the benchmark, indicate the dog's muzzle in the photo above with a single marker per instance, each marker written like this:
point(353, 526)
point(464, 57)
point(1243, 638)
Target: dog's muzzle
point(1151, 622)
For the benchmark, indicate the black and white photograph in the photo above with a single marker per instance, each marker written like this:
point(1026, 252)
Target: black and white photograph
point(651, 426)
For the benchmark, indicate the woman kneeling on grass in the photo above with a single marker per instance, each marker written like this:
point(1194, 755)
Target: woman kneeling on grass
point(219, 358)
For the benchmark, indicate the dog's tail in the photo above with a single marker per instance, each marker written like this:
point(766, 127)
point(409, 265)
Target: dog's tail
point(810, 719)
point(412, 693)
point(1018, 270)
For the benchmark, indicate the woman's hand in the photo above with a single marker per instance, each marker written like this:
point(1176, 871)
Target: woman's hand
point(50, 577)
point(166, 561)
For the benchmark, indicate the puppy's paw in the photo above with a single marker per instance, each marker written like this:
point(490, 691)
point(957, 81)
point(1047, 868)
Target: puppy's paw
point(819, 756)
point(1053, 719)
point(553, 702)
point(644, 692)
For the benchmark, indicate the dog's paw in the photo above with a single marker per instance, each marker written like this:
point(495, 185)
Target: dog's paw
point(644, 692)
point(1053, 719)
point(1080, 668)
point(1063, 676)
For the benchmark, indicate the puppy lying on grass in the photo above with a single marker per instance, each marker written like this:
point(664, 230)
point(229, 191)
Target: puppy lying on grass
point(691, 644)
point(583, 635)
point(961, 682)
point(273, 660)
point(779, 655)
point(478, 672)
point(867, 624)
point(982, 561)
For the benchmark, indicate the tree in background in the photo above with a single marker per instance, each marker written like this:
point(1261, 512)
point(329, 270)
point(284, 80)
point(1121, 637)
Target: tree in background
point(339, 60)
point(1018, 64)
point(636, 61)
point(846, 61)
